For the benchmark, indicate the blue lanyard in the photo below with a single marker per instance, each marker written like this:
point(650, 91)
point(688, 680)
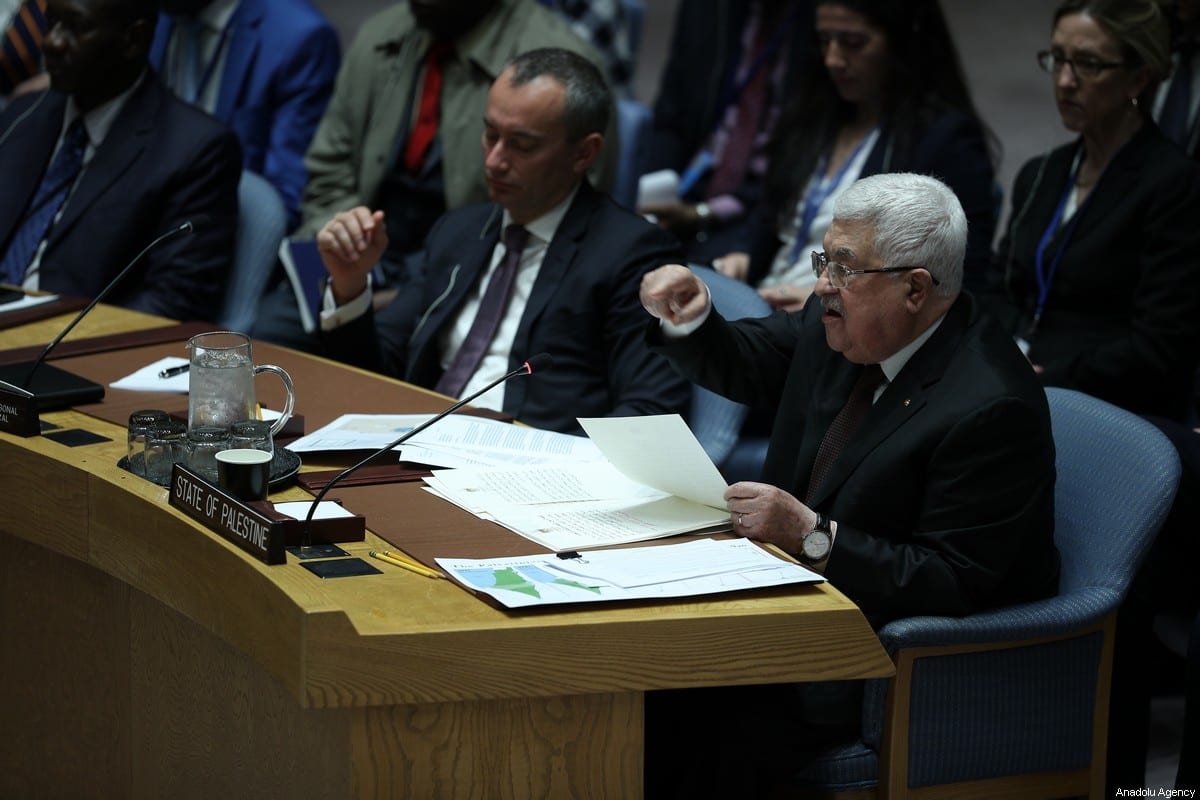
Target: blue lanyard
point(1045, 277)
point(819, 191)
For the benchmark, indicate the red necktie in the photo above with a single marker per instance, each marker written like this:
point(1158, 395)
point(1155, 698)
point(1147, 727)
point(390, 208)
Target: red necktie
point(427, 115)
point(844, 425)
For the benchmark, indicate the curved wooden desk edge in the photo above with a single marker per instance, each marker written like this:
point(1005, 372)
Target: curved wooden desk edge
point(401, 638)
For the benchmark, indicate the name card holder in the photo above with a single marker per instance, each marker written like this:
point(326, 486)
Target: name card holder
point(254, 527)
point(18, 411)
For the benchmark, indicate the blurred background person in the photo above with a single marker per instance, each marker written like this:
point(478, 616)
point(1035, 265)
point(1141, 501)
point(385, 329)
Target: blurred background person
point(883, 91)
point(605, 25)
point(1098, 280)
point(403, 129)
point(108, 159)
point(730, 67)
point(1175, 106)
point(22, 28)
point(1098, 275)
point(263, 67)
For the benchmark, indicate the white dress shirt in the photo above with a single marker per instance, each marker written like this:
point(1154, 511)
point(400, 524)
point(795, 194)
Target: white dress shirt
point(494, 363)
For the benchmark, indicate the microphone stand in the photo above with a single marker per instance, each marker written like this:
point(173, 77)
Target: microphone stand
point(540, 361)
point(21, 401)
point(186, 227)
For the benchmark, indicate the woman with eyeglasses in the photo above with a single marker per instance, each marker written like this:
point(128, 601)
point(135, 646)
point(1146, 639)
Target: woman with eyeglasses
point(1098, 276)
point(882, 92)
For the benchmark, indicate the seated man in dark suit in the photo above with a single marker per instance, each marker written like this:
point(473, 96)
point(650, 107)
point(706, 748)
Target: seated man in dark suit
point(911, 457)
point(105, 161)
point(402, 127)
point(563, 278)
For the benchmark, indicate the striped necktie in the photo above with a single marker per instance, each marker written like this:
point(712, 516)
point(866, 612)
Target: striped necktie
point(487, 319)
point(21, 48)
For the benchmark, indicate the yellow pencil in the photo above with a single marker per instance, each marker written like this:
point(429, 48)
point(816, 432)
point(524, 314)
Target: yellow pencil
point(400, 561)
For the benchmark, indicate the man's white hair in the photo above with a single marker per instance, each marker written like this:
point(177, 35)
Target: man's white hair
point(917, 221)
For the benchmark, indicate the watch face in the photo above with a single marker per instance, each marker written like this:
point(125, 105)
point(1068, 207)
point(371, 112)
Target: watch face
point(816, 545)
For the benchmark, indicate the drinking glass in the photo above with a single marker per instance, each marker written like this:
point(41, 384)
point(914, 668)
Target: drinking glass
point(164, 449)
point(140, 425)
point(203, 444)
point(251, 434)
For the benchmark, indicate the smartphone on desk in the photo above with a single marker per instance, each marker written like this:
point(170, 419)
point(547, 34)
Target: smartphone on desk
point(10, 296)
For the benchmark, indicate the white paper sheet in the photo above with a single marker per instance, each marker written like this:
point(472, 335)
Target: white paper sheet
point(456, 439)
point(28, 301)
point(327, 509)
point(146, 379)
point(659, 451)
point(658, 188)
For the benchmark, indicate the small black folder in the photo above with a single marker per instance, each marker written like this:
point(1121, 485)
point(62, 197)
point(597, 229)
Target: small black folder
point(52, 387)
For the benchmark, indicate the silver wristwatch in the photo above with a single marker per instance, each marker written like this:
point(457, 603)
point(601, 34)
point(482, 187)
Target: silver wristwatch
point(816, 544)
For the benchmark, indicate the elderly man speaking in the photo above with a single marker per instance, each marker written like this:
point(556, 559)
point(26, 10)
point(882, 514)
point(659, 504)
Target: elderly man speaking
point(910, 459)
point(911, 455)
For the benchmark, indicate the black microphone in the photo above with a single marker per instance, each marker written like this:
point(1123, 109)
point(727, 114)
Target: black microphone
point(539, 363)
point(56, 388)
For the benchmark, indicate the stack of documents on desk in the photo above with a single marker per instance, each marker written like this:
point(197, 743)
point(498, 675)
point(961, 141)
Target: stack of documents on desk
point(695, 568)
point(656, 482)
point(456, 441)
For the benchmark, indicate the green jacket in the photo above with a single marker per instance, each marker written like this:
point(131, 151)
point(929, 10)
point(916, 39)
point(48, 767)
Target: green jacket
point(349, 155)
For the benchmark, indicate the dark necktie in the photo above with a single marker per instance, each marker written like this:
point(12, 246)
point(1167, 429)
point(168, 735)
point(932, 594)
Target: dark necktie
point(55, 185)
point(21, 48)
point(1177, 106)
point(735, 156)
point(427, 114)
point(487, 319)
point(844, 425)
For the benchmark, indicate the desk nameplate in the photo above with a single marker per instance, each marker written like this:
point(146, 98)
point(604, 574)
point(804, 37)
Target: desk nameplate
point(18, 411)
point(227, 516)
point(255, 527)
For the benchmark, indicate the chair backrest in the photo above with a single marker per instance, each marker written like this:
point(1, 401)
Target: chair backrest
point(715, 420)
point(633, 133)
point(1117, 476)
point(262, 224)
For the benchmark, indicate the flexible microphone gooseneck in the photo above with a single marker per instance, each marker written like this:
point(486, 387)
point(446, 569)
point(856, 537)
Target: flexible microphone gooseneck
point(187, 227)
point(538, 363)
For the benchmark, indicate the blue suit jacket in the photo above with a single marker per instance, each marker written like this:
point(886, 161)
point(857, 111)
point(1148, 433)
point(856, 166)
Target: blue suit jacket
point(283, 57)
point(162, 163)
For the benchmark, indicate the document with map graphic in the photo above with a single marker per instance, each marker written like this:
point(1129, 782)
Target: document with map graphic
point(700, 567)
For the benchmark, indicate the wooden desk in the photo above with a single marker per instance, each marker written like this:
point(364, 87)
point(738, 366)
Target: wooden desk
point(144, 656)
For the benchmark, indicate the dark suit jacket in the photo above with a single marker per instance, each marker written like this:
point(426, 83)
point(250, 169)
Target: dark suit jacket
point(162, 164)
point(1122, 319)
point(583, 310)
point(944, 498)
point(951, 148)
point(282, 59)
